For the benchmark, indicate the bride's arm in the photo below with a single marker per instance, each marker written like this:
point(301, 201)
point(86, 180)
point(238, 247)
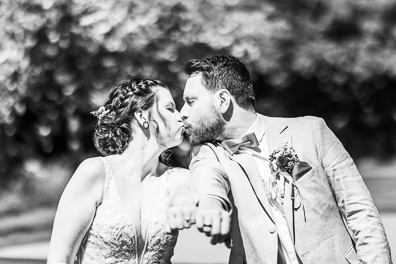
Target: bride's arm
point(76, 210)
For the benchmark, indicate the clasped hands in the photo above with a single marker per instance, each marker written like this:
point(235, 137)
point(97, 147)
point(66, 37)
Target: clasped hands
point(209, 217)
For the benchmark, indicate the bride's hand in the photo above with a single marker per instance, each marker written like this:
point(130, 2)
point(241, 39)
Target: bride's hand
point(181, 212)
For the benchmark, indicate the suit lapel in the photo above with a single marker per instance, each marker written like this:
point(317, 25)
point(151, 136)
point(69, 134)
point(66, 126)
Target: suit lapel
point(247, 163)
point(278, 133)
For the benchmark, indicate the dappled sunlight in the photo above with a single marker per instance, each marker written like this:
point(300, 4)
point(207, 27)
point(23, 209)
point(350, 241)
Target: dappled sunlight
point(59, 60)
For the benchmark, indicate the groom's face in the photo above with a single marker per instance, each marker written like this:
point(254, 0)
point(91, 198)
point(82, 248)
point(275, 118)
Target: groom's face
point(202, 121)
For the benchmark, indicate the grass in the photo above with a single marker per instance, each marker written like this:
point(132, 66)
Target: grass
point(28, 206)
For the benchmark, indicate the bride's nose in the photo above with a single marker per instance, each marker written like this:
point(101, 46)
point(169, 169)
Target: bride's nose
point(178, 116)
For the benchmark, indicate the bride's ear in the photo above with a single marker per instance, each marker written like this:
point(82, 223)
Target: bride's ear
point(223, 100)
point(141, 116)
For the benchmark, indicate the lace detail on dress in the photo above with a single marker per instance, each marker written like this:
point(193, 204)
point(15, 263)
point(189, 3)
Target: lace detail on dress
point(160, 245)
point(111, 237)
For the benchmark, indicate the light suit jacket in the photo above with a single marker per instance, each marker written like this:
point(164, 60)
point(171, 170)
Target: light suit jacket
point(333, 220)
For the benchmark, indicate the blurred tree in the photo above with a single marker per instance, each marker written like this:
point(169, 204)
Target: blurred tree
point(339, 63)
point(58, 59)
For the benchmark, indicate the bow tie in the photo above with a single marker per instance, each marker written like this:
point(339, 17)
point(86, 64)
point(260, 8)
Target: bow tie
point(233, 145)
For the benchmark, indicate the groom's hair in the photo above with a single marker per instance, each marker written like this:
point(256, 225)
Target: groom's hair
point(225, 72)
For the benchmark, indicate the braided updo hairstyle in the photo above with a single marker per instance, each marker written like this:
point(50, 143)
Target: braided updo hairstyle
point(113, 131)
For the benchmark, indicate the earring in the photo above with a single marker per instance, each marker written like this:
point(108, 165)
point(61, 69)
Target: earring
point(145, 124)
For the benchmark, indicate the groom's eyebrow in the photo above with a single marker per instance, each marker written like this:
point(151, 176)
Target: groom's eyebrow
point(189, 97)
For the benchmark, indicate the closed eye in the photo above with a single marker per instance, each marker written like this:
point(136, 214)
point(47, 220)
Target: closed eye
point(189, 101)
point(171, 107)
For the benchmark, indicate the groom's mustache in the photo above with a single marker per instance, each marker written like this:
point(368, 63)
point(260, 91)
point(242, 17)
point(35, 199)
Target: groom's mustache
point(186, 125)
point(187, 128)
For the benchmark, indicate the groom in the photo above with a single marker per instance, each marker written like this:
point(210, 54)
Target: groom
point(284, 189)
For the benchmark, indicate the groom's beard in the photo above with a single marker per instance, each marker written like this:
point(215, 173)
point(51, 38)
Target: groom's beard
point(207, 129)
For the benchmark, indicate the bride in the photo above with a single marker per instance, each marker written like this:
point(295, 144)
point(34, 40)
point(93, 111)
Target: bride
point(113, 210)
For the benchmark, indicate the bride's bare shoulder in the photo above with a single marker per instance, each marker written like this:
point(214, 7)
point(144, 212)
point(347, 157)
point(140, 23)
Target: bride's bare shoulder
point(91, 167)
point(90, 173)
point(88, 179)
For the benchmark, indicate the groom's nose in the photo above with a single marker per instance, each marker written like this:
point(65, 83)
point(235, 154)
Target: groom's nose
point(184, 112)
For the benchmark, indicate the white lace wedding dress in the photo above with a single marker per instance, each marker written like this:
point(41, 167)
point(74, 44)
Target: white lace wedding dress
point(112, 237)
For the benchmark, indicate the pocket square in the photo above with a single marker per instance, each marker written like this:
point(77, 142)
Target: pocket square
point(300, 169)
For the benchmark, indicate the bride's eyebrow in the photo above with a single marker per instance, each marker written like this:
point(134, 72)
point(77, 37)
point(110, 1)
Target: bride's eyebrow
point(171, 103)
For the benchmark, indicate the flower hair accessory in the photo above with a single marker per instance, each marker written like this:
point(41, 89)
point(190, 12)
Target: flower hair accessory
point(101, 112)
point(283, 159)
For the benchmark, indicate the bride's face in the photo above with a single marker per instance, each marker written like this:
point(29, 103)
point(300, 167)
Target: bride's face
point(169, 126)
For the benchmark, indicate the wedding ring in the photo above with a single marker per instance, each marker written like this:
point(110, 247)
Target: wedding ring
point(207, 229)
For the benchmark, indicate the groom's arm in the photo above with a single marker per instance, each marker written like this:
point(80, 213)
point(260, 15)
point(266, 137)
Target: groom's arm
point(353, 199)
point(209, 185)
point(208, 177)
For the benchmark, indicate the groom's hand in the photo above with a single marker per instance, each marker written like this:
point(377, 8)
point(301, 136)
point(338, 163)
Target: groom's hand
point(213, 220)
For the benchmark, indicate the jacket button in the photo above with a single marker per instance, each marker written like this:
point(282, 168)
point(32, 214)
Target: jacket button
point(272, 229)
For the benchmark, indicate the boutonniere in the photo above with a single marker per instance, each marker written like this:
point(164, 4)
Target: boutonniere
point(283, 159)
point(282, 162)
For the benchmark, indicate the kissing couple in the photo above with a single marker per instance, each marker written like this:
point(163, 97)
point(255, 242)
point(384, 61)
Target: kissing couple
point(275, 190)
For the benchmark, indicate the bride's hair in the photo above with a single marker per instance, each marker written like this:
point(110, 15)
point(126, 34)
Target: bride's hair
point(113, 131)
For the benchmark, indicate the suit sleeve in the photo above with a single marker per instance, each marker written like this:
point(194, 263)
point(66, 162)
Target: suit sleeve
point(353, 198)
point(208, 177)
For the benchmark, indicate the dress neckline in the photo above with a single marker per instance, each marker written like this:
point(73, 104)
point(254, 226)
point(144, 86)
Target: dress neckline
point(109, 173)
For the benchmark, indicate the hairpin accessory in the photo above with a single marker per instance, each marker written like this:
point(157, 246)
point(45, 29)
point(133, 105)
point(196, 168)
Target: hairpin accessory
point(101, 112)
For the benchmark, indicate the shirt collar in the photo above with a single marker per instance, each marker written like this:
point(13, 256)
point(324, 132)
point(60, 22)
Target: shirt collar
point(257, 128)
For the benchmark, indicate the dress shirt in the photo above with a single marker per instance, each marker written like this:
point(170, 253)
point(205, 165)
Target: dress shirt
point(262, 162)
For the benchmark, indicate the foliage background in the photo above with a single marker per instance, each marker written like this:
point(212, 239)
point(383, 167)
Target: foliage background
point(59, 58)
